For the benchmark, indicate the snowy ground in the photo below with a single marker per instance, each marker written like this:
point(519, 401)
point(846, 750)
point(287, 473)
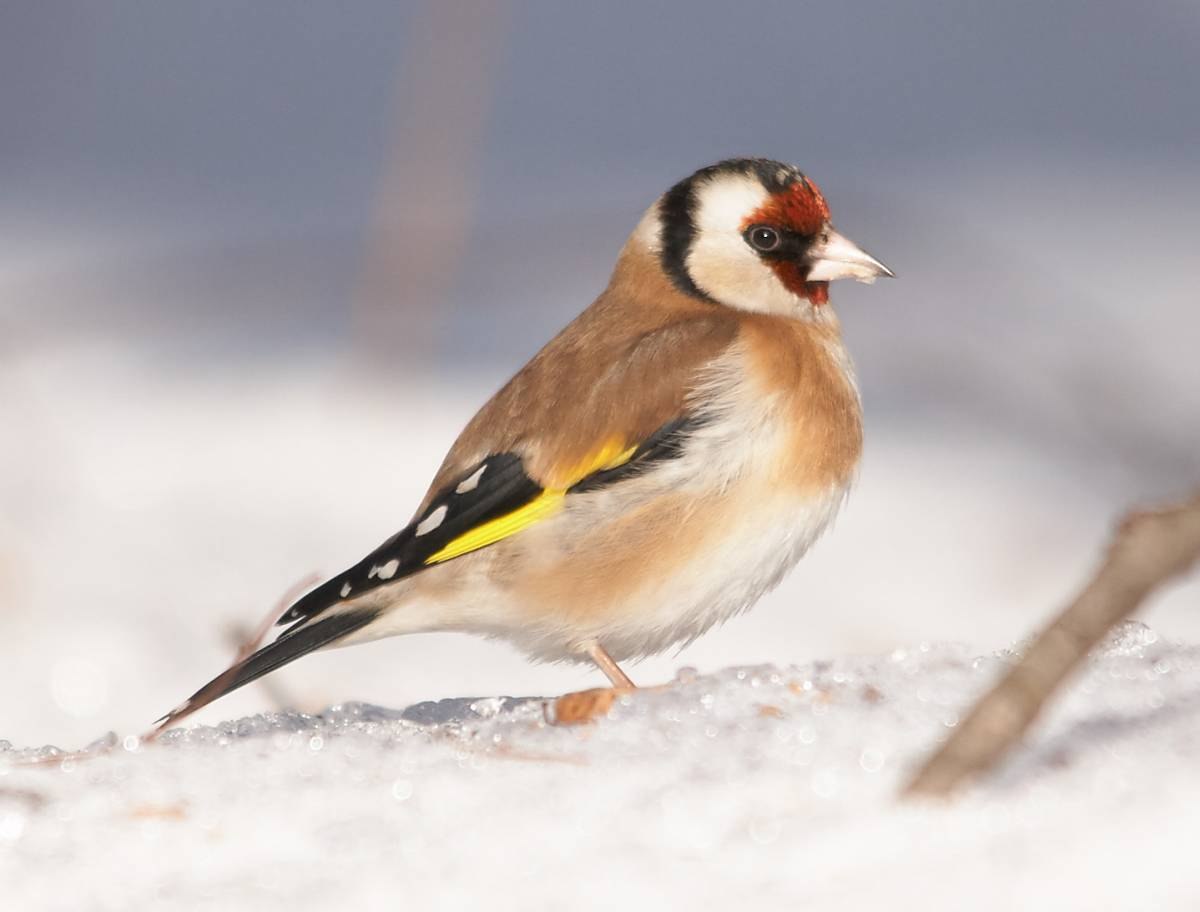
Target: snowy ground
point(196, 411)
point(768, 787)
point(184, 440)
point(186, 433)
point(145, 513)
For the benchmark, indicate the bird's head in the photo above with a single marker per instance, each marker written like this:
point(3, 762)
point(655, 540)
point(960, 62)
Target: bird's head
point(753, 234)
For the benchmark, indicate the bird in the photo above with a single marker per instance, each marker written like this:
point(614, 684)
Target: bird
point(652, 471)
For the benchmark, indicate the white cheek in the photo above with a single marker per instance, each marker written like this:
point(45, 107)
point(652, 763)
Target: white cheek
point(720, 261)
point(727, 269)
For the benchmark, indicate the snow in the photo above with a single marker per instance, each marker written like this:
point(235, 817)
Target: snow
point(770, 786)
point(143, 518)
point(185, 451)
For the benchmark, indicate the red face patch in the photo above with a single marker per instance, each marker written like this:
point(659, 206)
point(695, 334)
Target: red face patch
point(795, 279)
point(800, 208)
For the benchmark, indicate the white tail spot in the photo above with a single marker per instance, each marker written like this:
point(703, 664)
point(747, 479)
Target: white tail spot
point(470, 484)
point(387, 571)
point(432, 521)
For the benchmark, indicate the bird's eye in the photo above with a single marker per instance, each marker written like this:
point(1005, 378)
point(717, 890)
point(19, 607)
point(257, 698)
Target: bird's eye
point(762, 238)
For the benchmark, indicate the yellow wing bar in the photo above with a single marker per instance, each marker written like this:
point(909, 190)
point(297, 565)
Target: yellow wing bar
point(541, 507)
point(544, 505)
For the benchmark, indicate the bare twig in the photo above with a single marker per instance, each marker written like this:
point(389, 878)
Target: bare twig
point(1148, 549)
point(246, 643)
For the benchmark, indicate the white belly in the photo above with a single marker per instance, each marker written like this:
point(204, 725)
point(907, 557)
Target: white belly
point(722, 581)
point(554, 586)
point(733, 554)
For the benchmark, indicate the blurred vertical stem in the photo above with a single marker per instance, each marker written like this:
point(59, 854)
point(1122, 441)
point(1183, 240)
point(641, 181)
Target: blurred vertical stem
point(424, 205)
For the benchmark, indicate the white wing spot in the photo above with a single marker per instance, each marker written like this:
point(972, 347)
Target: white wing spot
point(387, 571)
point(470, 484)
point(345, 589)
point(432, 521)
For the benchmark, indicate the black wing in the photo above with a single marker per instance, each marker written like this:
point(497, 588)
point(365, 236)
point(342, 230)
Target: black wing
point(491, 488)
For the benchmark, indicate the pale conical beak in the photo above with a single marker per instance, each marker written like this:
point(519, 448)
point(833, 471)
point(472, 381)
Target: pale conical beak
point(837, 257)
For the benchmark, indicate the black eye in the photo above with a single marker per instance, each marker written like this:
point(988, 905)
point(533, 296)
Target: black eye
point(762, 238)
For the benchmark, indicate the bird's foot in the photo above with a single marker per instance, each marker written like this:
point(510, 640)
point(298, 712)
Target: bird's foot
point(583, 705)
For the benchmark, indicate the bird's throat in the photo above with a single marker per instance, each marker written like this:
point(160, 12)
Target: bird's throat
point(795, 281)
point(817, 293)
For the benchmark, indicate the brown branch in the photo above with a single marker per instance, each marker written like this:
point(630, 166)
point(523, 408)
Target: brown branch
point(1148, 549)
point(246, 642)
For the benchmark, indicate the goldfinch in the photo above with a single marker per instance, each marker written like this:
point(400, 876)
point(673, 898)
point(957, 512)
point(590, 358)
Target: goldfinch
point(653, 470)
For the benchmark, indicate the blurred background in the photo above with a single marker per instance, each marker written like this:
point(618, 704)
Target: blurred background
point(260, 261)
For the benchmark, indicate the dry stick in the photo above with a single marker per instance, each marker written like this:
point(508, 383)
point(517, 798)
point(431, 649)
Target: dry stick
point(1148, 549)
point(246, 646)
point(247, 641)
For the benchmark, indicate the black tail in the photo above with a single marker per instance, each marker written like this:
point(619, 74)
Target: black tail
point(288, 647)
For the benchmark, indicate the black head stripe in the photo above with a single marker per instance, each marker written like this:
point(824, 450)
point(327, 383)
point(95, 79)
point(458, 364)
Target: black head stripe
point(677, 211)
point(774, 176)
